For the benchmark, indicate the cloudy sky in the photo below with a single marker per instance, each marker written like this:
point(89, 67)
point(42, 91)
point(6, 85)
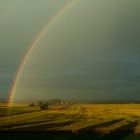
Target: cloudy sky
point(92, 51)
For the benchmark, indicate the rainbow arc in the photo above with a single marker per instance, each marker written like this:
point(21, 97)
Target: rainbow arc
point(34, 44)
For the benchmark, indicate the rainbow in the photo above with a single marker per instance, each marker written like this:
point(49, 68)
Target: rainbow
point(31, 47)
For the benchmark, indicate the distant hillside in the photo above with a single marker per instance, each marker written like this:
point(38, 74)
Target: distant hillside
point(66, 101)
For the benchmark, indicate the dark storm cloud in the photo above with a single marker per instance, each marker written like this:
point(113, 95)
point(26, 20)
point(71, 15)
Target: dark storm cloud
point(20, 21)
point(92, 50)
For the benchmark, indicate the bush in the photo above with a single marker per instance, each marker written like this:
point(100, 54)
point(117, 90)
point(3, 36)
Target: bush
point(32, 104)
point(43, 105)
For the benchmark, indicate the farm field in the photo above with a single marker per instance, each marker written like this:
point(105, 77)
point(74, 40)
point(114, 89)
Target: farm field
point(94, 119)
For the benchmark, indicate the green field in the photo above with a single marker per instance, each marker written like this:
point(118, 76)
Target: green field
point(76, 118)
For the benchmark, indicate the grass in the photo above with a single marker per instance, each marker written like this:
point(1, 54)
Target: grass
point(16, 111)
point(76, 118)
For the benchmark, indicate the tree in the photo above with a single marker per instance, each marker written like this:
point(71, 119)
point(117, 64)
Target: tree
point(43, 105)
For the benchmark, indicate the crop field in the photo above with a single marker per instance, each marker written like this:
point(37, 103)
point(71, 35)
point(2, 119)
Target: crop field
point(102, 119)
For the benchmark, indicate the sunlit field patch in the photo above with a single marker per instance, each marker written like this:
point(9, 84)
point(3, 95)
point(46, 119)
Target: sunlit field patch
point(74, 118)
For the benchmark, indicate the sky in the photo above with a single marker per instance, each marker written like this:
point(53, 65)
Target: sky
point(91, 51)
point(20, 21)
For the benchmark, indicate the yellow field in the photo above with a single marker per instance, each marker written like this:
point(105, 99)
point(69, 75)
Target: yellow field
point(76, 118)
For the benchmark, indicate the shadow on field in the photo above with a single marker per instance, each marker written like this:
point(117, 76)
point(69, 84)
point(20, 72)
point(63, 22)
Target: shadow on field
point(43, 127)
point(20, 124)
point(91, 128)
point(117, 134)
point(36, 132)
point(123, 131)
point(62, 136)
